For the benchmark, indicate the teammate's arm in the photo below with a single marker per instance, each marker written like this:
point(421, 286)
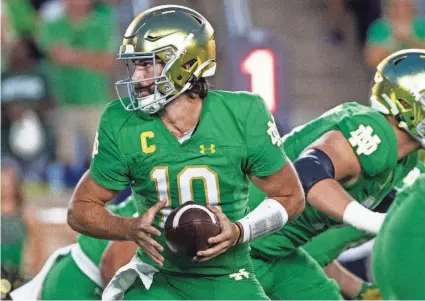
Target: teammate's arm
point(327, 162)
point(118, 254)
point(351, 285)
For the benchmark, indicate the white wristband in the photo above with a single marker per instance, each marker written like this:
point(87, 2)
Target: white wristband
point(270, 216)
point(362, 218)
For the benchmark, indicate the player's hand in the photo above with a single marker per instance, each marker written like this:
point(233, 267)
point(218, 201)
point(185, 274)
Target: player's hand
point(372, 293)
point(224, 240)
point(141, 231)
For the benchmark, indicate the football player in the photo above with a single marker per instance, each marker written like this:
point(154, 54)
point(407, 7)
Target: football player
point(327, 246)
point(348, 160)
point(174, 140)
point(398, 259)
point(75, 272)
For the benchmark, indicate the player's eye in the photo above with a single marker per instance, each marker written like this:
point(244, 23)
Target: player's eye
point(143, 63)
point(405, 104)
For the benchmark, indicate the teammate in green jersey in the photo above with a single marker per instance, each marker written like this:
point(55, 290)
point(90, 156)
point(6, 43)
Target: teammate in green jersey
point(76, 273)
point(174, 141)
point(348, 160)
point(398, 259)
point(327, 246)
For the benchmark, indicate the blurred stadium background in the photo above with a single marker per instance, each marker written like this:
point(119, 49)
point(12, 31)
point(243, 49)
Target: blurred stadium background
point(303, 56)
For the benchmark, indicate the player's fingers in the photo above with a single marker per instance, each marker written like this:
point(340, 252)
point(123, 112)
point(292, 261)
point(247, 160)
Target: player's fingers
point(156, 208)
point(152, 211)
point(214, 251)
point(155, 255)
point(220, 215)
point(151, 230)
point(147, 241)
point(223, 236)
point(150, 249)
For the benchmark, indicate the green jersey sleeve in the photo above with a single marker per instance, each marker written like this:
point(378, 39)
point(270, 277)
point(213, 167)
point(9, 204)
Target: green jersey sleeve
point(373, 140)
point(107, 165)
point(264, 151)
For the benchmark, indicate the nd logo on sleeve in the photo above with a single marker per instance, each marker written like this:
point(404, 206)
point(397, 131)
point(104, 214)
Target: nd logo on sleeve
point(364, 140)
point(95, 145)
point(274, 133)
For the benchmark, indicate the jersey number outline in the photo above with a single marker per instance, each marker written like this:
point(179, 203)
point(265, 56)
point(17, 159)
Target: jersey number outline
point(160, 176)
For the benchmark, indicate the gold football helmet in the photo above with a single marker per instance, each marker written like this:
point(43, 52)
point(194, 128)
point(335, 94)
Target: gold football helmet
point(399, 90)
point(178, 36)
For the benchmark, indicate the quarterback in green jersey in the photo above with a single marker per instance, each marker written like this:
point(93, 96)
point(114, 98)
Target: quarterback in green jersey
point(173, 141)
point(76, 272)
point(348, 160)
point(398, 259)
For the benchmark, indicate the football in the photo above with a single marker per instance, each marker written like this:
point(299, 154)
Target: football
point(188, 228)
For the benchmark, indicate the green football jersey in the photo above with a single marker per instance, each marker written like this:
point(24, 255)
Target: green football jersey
point(95, 247)
point(412, 175)
point(374, 142)
point(236, 136)
point(398, 259)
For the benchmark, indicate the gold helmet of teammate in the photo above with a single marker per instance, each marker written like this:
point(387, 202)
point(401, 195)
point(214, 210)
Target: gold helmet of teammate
point(399, 90)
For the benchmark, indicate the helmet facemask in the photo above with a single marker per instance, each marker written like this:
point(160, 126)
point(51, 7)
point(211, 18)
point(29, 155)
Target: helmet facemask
point(420, 128)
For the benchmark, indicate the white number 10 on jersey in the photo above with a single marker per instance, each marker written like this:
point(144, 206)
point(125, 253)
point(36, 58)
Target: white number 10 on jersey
point(184, 186)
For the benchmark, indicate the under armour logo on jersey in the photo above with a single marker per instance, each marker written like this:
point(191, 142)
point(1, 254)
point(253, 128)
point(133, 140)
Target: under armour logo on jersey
point(274, 133)
point(95, 145)
point(204, 149)
point(239, 276)
point(364, 140)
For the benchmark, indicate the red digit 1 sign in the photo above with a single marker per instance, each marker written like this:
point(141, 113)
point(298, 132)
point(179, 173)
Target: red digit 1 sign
point(260, 65)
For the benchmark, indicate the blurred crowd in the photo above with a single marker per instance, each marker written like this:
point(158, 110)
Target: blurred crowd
point(58, 65)
point(382, 26)
point(57, 58)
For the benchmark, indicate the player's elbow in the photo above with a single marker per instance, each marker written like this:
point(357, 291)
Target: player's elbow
point(71, 218)
point(296, 202)
point(74, 219)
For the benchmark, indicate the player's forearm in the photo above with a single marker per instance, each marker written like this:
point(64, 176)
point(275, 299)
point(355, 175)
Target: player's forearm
point(349, 284)
point(117, 254)
point(285, 201)
point(92, 219)
point(294, 204)
point(329, 197)
point(87, 213)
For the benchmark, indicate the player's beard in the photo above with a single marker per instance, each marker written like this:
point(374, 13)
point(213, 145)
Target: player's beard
point(143, 91)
